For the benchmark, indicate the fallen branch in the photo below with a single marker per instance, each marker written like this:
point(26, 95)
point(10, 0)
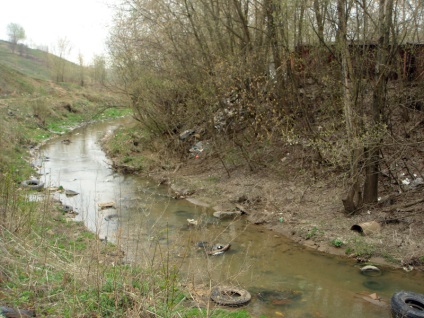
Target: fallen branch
point(398, 220)
point(399, 207)
point(413, 203)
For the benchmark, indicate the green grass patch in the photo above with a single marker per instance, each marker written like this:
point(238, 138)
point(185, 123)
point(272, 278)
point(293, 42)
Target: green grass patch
point(359, 247)
point(337, 243)
point(113, 112)
point(66, 124)
point(312, 233)
point(126, 147)
point(217, 313)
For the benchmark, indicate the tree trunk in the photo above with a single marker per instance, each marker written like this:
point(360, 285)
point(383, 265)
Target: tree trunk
point(379, 100)
point(273, 40)
point(353, 200)
point(371, 175)
point(320, 20)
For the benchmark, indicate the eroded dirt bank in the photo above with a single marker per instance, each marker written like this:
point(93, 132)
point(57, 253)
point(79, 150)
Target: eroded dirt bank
point(286, 197)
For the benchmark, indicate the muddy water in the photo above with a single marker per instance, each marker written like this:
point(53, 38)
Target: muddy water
point(149, 225)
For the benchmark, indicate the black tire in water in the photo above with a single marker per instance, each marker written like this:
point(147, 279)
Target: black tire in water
point(374, 284)
point(407, 305)
point(230, 296)
point(184, 214)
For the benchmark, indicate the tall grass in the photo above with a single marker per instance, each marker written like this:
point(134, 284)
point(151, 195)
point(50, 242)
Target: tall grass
point(58, 268)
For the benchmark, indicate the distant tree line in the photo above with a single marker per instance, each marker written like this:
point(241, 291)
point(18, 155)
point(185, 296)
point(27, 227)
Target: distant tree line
point(61, 69)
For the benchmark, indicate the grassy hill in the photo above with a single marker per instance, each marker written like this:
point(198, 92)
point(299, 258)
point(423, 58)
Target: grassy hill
point(24, 73)
point(12, 81)
point(34, 64)
point(31, 62)
point(32, 107)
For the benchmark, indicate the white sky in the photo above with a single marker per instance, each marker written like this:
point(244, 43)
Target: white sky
point(83, 22)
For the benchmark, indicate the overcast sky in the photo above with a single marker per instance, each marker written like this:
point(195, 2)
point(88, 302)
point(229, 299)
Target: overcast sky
point(83, 22)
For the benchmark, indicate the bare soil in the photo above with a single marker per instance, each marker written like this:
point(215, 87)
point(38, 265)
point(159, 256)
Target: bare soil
point(303, 203)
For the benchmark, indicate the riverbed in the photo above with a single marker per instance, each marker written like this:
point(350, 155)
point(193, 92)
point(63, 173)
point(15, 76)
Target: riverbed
point(150, 225)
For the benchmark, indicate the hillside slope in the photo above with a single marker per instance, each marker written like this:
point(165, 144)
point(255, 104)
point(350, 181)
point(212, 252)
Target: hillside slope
point(33, 108)
point(30, 62)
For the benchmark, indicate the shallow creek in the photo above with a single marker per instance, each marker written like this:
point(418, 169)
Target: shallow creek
point(148, 224)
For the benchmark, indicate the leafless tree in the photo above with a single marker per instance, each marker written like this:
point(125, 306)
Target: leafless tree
point(61, 51)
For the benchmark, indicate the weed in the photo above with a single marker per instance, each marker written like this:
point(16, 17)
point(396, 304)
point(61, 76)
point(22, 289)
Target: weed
point(348, 251)
point(337, 243)
point(219, 313)
point(214, 179)
point(390, 258)
point(127, 159)
point(312, 232)
point(360, 247)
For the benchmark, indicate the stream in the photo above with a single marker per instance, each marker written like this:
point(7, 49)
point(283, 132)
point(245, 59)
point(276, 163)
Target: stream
point(147, 223)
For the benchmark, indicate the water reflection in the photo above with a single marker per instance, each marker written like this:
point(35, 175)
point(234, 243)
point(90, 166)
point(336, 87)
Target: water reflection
point(150, 225)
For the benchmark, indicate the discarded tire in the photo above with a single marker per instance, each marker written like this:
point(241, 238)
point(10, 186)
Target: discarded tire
point(67, 208)
point(70, 193)
point(370, 270)
point(373, 284)
point(111, 217)
point(12, 312)
point(230, 296)
point(218, 249)
point(185, 214)
point(276, 297)
point(33, 184)
point(407, 305)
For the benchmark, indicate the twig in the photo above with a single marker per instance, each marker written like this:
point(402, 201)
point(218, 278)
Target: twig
point(390, 172)
point(414, 127)
point(223, 163)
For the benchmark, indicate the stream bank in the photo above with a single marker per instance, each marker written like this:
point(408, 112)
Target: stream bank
point(290, 198)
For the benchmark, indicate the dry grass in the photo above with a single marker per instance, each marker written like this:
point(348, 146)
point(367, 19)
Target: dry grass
point(54, 266)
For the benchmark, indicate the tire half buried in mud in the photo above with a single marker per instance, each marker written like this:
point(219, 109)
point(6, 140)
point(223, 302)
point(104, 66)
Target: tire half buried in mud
point(33, 184)
point(230, 296)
